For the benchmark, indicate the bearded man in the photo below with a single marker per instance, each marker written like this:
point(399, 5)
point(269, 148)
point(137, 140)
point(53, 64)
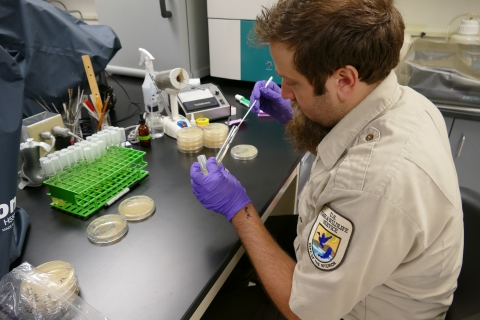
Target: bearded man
point(380, 228)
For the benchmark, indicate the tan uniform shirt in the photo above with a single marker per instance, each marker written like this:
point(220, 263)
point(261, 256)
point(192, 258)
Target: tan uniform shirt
point(380, 231)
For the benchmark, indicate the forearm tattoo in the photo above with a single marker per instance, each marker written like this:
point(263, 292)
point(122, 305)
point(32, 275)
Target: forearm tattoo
point(245, 211)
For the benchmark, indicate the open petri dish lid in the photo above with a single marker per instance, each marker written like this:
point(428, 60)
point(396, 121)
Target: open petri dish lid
point(136, 208)
point(244, 152)
point(107, 228)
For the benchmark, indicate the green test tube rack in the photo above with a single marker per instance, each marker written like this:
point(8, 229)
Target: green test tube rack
point(87, 186)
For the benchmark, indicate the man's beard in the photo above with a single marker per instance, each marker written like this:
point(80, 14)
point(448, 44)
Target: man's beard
point(303, 132)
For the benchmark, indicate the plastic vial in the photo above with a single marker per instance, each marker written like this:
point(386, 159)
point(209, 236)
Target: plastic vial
point(102, 147)
point(48, 168)
point(113, 137)
point(202, 160)
point(78, 153)
point(65, 162)
point(57, 166)
point(88, 154)
point(95, 150)
point(71, 157)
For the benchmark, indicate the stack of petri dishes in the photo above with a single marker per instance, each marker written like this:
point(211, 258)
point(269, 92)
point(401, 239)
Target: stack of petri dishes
point(214, 135)
point(190, 140)
point(64, 278)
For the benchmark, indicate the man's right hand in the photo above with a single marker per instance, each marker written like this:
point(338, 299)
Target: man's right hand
point(271, 102)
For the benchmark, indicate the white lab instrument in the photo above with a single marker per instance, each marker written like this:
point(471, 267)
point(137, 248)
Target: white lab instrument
point(234, 130)
point(172, 81)
point(152, 99)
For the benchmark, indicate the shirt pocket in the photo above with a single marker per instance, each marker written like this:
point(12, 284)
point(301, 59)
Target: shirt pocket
point(353, 168)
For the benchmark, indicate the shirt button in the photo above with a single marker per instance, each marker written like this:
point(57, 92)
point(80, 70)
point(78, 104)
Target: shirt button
point(369, 137)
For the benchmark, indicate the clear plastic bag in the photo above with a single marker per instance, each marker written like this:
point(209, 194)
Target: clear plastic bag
point(26, 293)
point(444, 73)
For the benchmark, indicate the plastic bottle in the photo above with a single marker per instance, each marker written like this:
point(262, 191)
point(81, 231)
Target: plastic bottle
point(151, 99)
point(143, 133)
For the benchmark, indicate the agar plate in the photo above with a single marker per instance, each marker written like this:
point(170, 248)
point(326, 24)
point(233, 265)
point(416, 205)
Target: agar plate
point(136, 208)
point(107, 228)
point(244, 152)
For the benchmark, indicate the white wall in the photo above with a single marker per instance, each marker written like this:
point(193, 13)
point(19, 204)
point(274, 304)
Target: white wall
point(432, 16)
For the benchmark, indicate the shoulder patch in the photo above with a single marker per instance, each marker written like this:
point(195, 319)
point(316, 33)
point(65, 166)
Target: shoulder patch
point(329, 239)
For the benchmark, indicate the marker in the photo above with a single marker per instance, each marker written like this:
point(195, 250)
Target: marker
point(242, 100)
point(118, 196)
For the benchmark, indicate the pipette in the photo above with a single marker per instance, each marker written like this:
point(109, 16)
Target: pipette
point(233, 132)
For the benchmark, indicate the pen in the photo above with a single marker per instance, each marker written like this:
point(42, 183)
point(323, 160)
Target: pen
point(122, 193)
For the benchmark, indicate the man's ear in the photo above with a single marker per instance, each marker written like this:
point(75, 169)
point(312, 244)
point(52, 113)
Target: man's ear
point(346, 81)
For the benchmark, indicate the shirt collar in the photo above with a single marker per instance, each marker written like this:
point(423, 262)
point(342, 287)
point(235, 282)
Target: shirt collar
point(348, 128)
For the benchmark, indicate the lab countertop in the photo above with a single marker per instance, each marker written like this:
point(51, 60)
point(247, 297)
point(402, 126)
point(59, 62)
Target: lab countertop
point(166, 264)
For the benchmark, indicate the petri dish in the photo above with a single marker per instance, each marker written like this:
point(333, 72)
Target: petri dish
point(136, 208)
point(107, 229)
point(244, 152)
point(214, 135)
point(190, 140)
point(62, 270)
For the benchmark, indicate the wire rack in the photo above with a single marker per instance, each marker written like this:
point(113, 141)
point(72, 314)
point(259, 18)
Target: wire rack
point(87, 186)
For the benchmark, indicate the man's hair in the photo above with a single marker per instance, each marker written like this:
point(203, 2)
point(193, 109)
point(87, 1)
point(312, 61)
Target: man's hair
point(330, 34)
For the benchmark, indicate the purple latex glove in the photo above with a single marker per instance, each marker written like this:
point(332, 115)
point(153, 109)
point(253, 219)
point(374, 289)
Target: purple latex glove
point(270, 101)
point(218, 190)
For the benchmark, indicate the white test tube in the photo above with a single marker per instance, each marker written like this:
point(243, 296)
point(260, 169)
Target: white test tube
point(114, 137)
point(42, 160)
point(101, 137)
point(78, 153)
point(106, 138)
point(48, 168)
point(64, 160)
point(88, 152)
point(202, 161)
point(102, 147)
point(57, 166)
point(89, 138)
point(123, 137)
point(71, 157)
point(95, 151)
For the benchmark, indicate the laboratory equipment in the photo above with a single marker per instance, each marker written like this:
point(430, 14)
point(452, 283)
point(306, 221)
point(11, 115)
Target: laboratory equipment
point(29, 293)
point(468, 31)
point(242, 100)
point(204, 101)
point(214, 135)
point(244, 152)
point(136, 208)
point(190, 140)
point(31, 173)
point(202, 161)
point(151, 98)
point(33, 126)
point(172, 81)
point(107, 229)
point(63, 275)
point(87, 186)
point(143, 133)
point(202, 122)
point(234, 131)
